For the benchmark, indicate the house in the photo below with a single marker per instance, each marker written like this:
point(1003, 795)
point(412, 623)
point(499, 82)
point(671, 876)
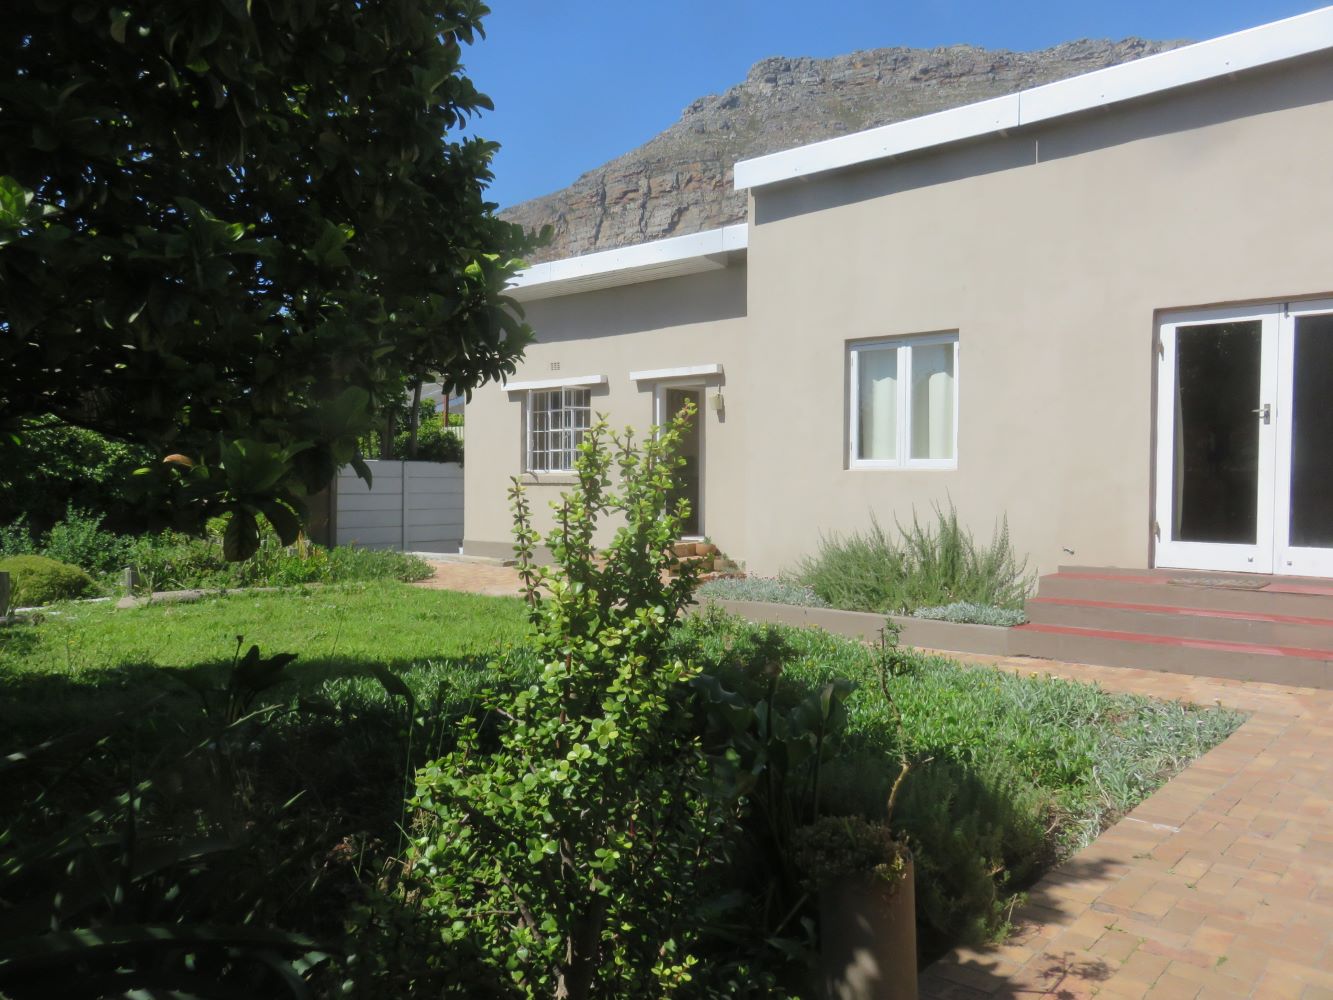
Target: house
point(1102, 308)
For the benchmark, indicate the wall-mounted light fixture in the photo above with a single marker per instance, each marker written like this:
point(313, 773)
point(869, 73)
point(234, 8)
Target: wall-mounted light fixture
point(717, 402)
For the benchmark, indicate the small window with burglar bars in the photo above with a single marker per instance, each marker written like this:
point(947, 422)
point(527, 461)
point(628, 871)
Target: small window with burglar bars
point(557, 421)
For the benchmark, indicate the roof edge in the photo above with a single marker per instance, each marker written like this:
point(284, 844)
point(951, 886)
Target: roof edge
point(677, 255)
point(1252, 48)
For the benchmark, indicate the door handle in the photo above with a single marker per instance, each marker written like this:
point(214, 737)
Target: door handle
point(1265, 411)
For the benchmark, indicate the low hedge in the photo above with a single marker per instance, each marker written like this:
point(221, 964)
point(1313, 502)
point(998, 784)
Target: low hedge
point(38, 580)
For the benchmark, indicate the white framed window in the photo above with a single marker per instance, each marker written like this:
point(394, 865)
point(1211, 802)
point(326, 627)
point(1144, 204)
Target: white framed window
point(557, 421)
point(903, 403)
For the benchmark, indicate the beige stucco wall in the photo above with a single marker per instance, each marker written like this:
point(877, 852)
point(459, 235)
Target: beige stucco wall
point(693, 320)
point(1049, 251)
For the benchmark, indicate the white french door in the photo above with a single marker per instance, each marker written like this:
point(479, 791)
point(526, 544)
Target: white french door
point(1245, 439)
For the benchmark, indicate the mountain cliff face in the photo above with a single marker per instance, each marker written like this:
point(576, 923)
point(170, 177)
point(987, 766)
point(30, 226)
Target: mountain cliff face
point(681, 181)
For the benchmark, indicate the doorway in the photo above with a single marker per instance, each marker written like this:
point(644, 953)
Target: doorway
point(1245, 440)
point(689, 479)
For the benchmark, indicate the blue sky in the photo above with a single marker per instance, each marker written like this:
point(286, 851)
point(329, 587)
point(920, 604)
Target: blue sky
point(578, 83)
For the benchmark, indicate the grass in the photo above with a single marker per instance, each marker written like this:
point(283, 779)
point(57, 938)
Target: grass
point(103, 658)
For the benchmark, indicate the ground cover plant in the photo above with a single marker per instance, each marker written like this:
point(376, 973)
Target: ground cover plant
point(921, 564)
point(1011, 773)
point(170, 560)
point(760, 588)
point(968, 613)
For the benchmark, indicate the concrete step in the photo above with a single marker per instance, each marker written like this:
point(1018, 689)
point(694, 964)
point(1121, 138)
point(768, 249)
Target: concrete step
point(1216, 592)
point(1299, 666)
point(1185, 622)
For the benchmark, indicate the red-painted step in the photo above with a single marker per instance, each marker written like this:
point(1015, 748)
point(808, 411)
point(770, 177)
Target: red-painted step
point(1116, 577)
point(1165, 640)
point(1171, 609)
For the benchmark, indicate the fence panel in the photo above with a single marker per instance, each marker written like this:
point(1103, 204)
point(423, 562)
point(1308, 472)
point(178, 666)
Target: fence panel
point(413, 506)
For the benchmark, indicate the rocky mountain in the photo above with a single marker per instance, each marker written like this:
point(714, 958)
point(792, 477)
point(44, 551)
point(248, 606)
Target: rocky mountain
point(680, 181)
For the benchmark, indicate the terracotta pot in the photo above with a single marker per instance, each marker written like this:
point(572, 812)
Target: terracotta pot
point(868, 938)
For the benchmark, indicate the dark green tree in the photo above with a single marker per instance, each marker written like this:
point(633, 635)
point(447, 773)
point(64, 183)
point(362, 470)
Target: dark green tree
point(231, 231)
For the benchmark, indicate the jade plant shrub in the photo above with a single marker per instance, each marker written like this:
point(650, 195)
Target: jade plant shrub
point(561, 858)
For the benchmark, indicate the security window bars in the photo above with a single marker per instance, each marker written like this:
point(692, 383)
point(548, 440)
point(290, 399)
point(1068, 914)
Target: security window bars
point(557, 420)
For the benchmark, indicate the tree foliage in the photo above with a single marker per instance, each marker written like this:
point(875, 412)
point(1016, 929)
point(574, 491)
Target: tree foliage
point(231, 231)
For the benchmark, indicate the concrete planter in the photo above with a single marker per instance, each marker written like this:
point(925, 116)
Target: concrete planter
point(922, 633)
point(868, 938)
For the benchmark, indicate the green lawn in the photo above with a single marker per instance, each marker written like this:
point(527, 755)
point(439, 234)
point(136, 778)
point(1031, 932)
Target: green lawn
point(51, 666)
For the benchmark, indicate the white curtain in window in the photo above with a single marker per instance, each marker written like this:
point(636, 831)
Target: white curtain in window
point(932, 401)
point(877, 395)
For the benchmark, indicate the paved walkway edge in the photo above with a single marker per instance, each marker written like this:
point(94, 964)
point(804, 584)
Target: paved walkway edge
point(1220, 884)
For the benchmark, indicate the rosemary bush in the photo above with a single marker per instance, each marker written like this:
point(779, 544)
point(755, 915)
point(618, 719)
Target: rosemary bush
point(925, 565)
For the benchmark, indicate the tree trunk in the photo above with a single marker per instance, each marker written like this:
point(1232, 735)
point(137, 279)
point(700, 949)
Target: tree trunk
point(386, 438)
point(414, 423)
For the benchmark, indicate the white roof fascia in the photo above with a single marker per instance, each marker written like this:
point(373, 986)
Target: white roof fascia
point(571, 381)
point(969, 121)
point(1253, 48)
point(687, 371)
point(667, 258)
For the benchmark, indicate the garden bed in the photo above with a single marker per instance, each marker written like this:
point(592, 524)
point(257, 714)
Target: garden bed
point(1010, 774)
point(920, 633)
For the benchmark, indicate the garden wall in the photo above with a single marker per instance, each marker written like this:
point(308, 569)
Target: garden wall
point(412, 506)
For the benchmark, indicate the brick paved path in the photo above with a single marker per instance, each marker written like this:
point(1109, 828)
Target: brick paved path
point(476, 578)
point(1219, 885)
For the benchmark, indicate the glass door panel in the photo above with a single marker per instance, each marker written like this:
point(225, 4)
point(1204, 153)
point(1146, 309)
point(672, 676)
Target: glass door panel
point(1215, 442)
point(1216, 496)
point(1305, 467)
point(689, 476)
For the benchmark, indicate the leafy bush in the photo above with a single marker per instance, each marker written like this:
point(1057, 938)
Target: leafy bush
point(48, 467)
point(1022, 770)
point(979, 834)
point(112, 900)
point(926, 565)
point(435, 442)
point(564, 861)
point(834, 847)
point(79, 539)
point(39, 580)
point(172, 561)
point(16, 539)
point(967, 613)
point(761, 588)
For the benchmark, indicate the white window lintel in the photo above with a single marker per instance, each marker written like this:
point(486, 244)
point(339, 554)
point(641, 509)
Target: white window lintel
point(567, 382)
point(685, 371)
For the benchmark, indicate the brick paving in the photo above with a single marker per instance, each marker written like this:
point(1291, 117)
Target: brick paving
point(473, 577)
point(1218, 885)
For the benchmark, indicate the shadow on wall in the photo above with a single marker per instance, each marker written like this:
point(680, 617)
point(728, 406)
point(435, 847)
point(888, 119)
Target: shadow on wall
point(1301, 84)
point(651, 305)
